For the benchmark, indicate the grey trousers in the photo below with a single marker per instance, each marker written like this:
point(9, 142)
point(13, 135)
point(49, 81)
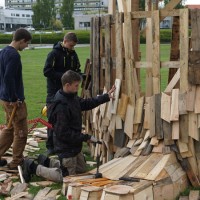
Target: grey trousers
point(74, 165)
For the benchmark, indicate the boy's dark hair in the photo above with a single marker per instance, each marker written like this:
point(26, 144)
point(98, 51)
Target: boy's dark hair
point(70, 77)
point(21, 34)
point(71, 37)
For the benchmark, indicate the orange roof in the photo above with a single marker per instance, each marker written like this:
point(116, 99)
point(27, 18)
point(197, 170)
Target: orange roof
point(193, 6)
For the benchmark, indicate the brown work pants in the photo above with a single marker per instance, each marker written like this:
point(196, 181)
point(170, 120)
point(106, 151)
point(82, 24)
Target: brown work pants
point(16, 135)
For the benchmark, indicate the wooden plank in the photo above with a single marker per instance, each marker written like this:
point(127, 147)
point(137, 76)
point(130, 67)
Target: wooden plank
point(119, 46)
point(194, 195)
point(183, 119)
point(182, 104)
point(167, 132)
point(108, 51)
point(165, 107)
point(184, 85)
point(112, 7)
point(95, 53)
point(193, 126)
point(157, 169)
point(152, 116)
point(116, 95)
point(197, 100)
point(149, 42)
point(42, 193)
point(147, 192)
point(122, 107)
point(190, 98)
point(156, 51)
point(138, 110)
point(174, 105)
point(175, 131)
point(128, 127)
point(129, 59)
point(147, 113)
point(163, 64)
point(173, 82)
point(158, 120)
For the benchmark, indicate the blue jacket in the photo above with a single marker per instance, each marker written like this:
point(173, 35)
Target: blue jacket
point(11, 83)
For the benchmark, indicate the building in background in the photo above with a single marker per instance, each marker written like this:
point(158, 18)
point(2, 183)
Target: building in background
point(19, 4)
point(83, 10)
point(11, 19)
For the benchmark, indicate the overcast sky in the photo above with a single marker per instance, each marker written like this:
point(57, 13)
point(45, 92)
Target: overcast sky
point(187, 2)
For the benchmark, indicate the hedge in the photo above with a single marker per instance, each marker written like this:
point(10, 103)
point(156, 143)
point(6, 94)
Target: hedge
point(83, 37)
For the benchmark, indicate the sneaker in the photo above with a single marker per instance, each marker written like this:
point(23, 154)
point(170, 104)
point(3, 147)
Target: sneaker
point(3, 162)
point(43, 160)
point(26, 168)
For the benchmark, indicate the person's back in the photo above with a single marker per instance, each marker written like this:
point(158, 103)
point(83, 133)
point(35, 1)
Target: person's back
point(12, 99)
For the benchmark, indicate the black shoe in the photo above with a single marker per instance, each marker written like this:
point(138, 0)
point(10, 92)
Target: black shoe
point(27, 172)
point(43, 160)
point(3, 162)
point(50, 152)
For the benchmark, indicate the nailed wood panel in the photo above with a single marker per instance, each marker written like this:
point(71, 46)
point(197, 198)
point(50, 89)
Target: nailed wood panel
point(183, 119)
point(112, 7)
point(147, 113)
point(128, 127)
point(165, 107)
point(174, 105)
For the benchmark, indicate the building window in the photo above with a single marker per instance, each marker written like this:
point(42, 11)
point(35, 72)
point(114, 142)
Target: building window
point(27, 15)
point(23, 15)
point(17, 15)
point(84, 24)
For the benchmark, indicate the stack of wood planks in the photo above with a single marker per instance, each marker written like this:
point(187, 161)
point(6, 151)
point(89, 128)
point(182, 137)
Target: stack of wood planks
point(157, 129)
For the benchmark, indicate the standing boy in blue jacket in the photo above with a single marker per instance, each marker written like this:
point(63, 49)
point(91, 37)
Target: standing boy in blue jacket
point(12, 96)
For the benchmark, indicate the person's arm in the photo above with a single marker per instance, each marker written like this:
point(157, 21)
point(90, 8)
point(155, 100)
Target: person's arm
point(90, 103)
point(49, 70)
point(77, 66)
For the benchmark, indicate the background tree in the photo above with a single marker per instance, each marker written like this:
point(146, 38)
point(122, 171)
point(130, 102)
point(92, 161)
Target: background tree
point(43, 13)
point(66, 13)
point(57, 24)
point(180, 5)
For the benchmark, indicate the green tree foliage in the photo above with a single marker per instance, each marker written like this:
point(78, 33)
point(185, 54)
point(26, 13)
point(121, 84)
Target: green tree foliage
point(66, 13)
point(57, 24)
point(43, 13)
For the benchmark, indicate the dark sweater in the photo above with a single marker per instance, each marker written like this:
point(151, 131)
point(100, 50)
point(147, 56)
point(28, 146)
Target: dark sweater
point(58, 61)
point(11, 83)
point(67, 122)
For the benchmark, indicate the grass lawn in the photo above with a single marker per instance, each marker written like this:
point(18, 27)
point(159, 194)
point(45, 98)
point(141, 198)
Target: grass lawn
point(35, 86)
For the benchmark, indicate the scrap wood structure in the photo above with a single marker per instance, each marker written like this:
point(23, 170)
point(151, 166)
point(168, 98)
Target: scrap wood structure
point(158, 130)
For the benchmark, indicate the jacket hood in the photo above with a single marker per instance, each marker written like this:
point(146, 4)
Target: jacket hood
point(58, 46)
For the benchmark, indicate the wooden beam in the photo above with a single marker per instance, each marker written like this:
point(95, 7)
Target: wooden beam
point(112, 7)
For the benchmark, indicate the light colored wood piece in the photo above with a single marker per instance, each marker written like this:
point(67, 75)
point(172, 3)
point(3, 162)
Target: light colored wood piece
point(128, 127)
point(138, 110)
point(152, 116)
point(116, 96)
point(193, 126)
point(190, 98)
point(194, 195)
point(175, 130)
point(122, 107)
point(174, 105)
point(197, 100)
point(165, 107)
point(182, 105)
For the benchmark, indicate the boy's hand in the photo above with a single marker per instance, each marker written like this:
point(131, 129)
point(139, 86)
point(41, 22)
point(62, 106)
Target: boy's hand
point(110, 93)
